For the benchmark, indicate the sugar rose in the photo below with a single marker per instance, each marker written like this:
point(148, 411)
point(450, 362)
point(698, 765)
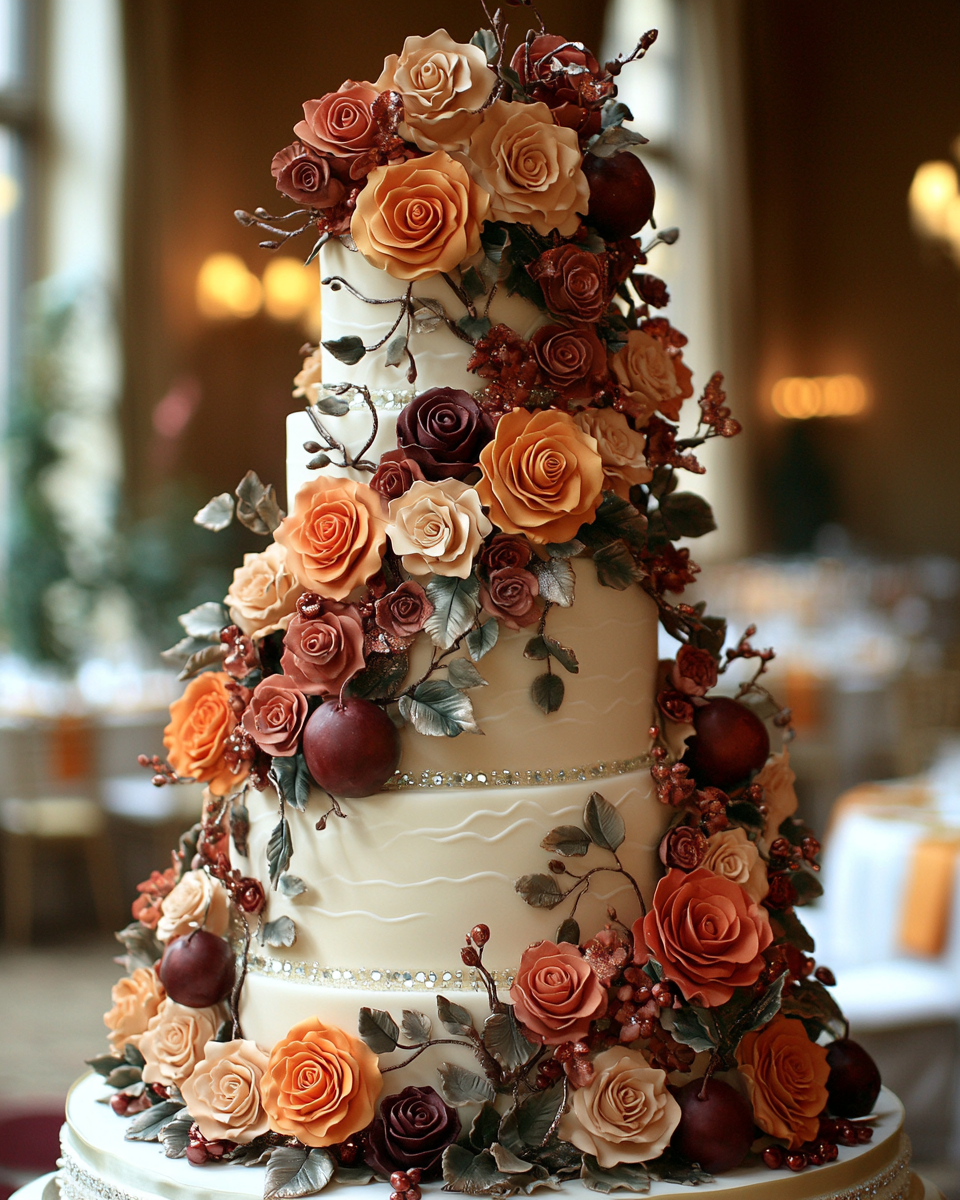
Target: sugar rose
point(442, 83)
point(309, 379)
point(223, 1093)
point(531, 167)
point(510, 594)
point(437, 528)
point(556, 993)
point(626, 1114)
point(620, 448)
point(334, 538)
point(417, 218)
point(542, 475)
point(412, 1130)
point(395, 475)
point(403, 612)
point(694, 671)
point(305, 176)
point(574, 282)
point(176, 1039)
point(648, 377)
point(777, 778)
point(443, 430)
point(340, 123)
point(683, 846)
point(320, 1084)
point(572, 361)
point(197, 902)
point(536, 65)
point(276, 715)
point(136, 1001)
point(786, 1078)
point(730, 853)
point(322, 653)
point(201, 723)
point(706, 933)
point(263, 595)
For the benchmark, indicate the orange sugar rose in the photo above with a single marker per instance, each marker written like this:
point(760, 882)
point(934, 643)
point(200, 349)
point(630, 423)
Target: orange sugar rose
point(201, 723)
point(786, 1077)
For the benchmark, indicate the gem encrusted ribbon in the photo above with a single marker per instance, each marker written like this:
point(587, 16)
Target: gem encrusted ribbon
point(374, 979)
point(539, 777)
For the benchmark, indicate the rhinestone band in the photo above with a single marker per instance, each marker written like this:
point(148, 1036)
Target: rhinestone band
point(542, 777)
point(391, 399)
point(373, 979)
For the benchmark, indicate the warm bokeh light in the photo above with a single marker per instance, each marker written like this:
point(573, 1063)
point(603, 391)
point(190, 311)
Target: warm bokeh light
point(226, 288)
point(9, 194)
point(290, 289)
point(932, 191)
point(798, 398)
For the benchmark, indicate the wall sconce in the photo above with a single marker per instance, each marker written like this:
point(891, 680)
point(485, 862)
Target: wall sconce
point(934, 199)
point(799, 399)
point(289, 291)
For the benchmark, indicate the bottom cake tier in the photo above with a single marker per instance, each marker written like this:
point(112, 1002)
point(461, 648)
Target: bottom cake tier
point(98, 1164)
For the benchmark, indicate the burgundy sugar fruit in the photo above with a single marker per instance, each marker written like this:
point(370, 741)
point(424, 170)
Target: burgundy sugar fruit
point(621, 194)
point(854, 1082)
point(351, 750)
point(198, 969)
point(730, 743)
point(716, 1130)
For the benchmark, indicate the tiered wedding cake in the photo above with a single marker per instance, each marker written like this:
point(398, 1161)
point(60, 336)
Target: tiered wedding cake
point(456, 910)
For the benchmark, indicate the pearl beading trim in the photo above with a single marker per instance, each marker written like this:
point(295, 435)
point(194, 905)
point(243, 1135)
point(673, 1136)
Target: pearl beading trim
point(541, 777)
point(374, 979)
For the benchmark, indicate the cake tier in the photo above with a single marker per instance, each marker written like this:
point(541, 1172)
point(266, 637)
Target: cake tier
point(99, 1165)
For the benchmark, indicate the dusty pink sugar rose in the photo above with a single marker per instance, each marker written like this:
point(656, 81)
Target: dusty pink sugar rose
point(621, 449)
point(626, 1114)
point(276, 715)
point(223, 1092)
point(403, 612)
point(305, 176)
point(321, 654)
point(175, 1041)
point(510, 594)
point(556, 993)
point(437, 528)
point(341, 122)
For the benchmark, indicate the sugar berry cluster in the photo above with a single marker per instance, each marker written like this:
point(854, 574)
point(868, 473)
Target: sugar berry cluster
point(833, 1132)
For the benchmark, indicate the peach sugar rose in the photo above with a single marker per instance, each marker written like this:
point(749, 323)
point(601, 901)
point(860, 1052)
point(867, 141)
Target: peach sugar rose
point(417, 218)
point(532, 167)
point(786, 1078)
point(309, 379)
point(136, 1001)
point(557, 993)
point(201, 723)
point(542, 475)
point(777, 778)
point(321, 1084)
point(730, 853)
point(442, 83)
point(625, 1114)
point(223, 1092)
point(334, 538)
point(176, 1039)
point(263, 595)
point(621, 449)
point(438, 528)
point(647, 374)
point(198, 901)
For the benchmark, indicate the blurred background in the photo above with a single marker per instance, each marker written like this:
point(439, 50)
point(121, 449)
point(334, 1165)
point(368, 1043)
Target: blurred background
point(808, 152)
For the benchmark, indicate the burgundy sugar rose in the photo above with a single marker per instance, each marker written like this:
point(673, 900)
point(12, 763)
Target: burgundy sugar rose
point(505, 551)
point(320, 655)
point(573, 361)
point(574, 282)
point(443, 430)
point(395, 475)
point(275, 715)
point(565, 94)
point(675, 706)
point(412, 1129)
point(510, 595)
point(404, 613)
point(249, 895)
point(684, 846)
point(695, 671)
point(305, 176)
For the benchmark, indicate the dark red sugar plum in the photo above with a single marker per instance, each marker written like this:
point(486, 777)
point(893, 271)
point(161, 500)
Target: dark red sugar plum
point(351, 749)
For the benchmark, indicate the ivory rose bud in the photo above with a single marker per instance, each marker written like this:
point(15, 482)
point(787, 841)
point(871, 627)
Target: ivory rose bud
point(572, 361)
point(197, 902)
point(201, 723)
point(341, 122)
point(263, 595)
point(395, 475)
point(442, 83)
point(334, 538)
point(542, 475)
point(786, 1078)
point(322, 653)
point(694, 672)
point(176, 1039)
point(730, 853)
point(403, 613)
point(417, 218)
point(706, 933)
point(556, 993)
point(444, 430)
point(777, 777)
point(276, 715)
point(531, 166)
point(648, 377)
point(136, 1001)
point(320, 1085)
point(620, 449)
point(437, 528)
point(626, 1114)
point(304, 175)
point(510, 594)
point(223, 1093)
point(574, 282)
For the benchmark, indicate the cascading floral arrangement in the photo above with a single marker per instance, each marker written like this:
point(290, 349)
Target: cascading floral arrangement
point(662, 1049)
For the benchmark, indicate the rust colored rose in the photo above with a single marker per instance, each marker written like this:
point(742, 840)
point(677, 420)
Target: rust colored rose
point(510, 594)
point(786, 1078)
point(341, 122)
point(152, 892)
point(404, 612)
point(706, 933)
point(305, 176)
point(175, 1041)
point(276, 715)
point(201, 723)
point(444, 430)
point(396, 474)
point(556, 993)
point(320, 1084)
point(648, 377)
point(574, 282)
point(223, 1093)
point(777, 777)
point(438, 528)
point(572, 361)
point(197, 902)
point(320, 654)
point(694, 672)
point(683, 846)
point(675, 706)
point(417, 218)
point(540, 67)
point(505, 551)
point(136, 1001)
point(625, 1114)
point(730, 853)
point(443, 83)
point(542, 476)
point(249, 896)
point(335, 536)
point(620, 447)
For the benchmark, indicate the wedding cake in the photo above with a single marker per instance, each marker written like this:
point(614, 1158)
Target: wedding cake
point(482, 892)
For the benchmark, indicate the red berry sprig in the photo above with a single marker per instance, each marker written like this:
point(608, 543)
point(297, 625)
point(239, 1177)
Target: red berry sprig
point(406, 1184)
point(199, 1150)
point(822, 1149)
